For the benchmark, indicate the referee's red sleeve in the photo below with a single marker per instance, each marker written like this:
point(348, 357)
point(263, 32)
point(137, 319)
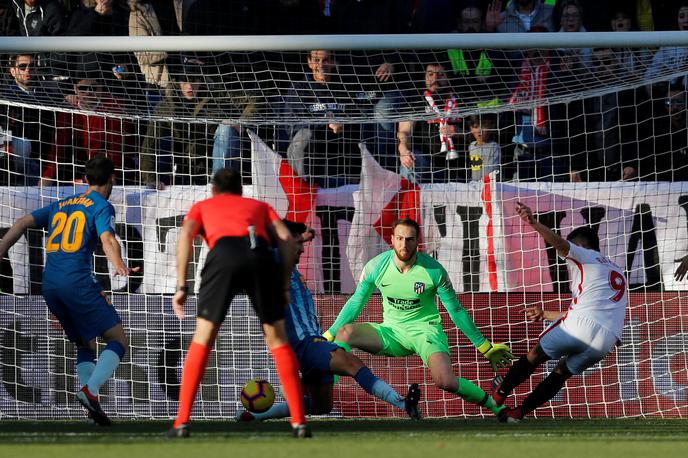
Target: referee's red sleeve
point(195, 216)
point(272, 214)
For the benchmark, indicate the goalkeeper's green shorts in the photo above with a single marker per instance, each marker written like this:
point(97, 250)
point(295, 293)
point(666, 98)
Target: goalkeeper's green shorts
point(422, 339)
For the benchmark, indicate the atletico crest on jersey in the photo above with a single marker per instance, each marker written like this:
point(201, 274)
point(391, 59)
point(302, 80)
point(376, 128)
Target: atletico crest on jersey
point(419, 287)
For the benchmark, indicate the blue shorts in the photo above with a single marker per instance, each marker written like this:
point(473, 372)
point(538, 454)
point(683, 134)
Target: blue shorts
point(83, 310)
point(314, 354)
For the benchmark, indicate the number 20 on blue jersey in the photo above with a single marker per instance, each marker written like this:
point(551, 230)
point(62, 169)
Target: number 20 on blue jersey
point(71, 228)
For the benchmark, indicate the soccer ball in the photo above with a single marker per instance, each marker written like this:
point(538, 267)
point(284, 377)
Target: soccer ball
point(257, 395)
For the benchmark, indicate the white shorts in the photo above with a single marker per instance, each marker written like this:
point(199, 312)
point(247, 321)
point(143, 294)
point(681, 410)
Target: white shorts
point(581, 341)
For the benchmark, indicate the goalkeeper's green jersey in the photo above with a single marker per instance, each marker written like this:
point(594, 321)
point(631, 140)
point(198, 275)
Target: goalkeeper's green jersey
point(408, 297)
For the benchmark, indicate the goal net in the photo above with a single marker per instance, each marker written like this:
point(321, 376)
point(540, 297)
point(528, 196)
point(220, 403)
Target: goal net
point(347, 141)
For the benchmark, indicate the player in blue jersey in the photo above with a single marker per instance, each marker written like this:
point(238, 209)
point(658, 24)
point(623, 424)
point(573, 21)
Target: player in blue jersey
point(319, 359)
point(71, 291)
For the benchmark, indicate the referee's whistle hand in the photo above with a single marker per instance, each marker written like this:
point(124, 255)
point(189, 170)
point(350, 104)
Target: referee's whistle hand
point(178, 304)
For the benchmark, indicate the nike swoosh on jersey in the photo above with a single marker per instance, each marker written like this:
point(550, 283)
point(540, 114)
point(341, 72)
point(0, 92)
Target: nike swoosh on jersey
point(384, 286)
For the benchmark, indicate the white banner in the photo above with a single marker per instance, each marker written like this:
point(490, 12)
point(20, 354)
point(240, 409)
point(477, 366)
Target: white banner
point(644, 224)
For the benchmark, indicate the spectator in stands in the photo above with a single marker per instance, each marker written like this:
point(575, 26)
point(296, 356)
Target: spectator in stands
point(533, 154)
point(227, 144)
point(422, 155)
point(99, 18)
point(144, 21)
point(31, 130)
point(97, 129)
point(572, 21)
point(621, 21)
point(28, 87)
point(34, 18)
point(519, 16)
point(610, 121)
point(484, 152)
point(631, 60)
point(663, 156)
point(486, 73)
point(179, 152)
point(669, 59)
point(649, 15)
point(103, 18)
point(327, 151)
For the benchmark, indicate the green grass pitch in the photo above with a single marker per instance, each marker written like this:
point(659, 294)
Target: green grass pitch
point(451, 438)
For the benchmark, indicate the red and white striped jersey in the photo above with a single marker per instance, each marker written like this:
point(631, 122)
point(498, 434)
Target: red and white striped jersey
point(598, 287)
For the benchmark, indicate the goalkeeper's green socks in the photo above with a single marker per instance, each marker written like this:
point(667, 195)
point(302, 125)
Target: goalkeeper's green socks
point(473, 393)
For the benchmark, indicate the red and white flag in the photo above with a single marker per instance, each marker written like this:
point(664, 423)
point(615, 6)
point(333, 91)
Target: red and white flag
point(382, 197)
point(292, 197)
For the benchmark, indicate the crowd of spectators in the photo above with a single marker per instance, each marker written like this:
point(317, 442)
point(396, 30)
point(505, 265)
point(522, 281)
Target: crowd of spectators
point(167, 118)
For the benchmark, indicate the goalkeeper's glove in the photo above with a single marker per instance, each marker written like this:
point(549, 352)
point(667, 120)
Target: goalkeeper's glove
point(499, 355)
point(328, 336)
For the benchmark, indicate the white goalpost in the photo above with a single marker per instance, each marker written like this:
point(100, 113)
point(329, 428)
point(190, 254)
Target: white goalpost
point(347, 133)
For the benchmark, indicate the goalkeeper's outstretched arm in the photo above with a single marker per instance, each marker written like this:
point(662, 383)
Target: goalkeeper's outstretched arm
point(499, 355)
point(353, 307)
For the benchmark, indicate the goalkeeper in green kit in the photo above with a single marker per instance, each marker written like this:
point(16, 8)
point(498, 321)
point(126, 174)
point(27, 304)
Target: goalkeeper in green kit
point(411, 324)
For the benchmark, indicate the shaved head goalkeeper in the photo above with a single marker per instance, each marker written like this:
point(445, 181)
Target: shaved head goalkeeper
point(409, 281)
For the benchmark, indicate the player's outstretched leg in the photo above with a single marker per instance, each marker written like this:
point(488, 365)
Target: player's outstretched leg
point(473, 393)
point(542, 393)
point(344, 363)
point(278, 410)
point(518, 373)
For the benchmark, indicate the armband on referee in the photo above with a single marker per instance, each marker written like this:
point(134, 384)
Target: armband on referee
point(184, 289)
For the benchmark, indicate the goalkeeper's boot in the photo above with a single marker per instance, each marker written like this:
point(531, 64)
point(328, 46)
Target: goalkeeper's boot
point(182, 430)
point(411, 402)
point(90, 402)
point(507, 415)
point(244, 416)
point(497, 395)
point(302, 431)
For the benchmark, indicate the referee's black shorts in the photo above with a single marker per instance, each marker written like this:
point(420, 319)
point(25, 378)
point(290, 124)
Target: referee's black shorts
point(231, 268)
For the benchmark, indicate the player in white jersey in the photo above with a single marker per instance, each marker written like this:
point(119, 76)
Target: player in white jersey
point(581, 336)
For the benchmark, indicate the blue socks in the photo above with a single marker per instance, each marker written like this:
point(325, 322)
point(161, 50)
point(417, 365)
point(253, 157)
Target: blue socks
point(107, 364)
point(85, 364)
point(378, 388)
